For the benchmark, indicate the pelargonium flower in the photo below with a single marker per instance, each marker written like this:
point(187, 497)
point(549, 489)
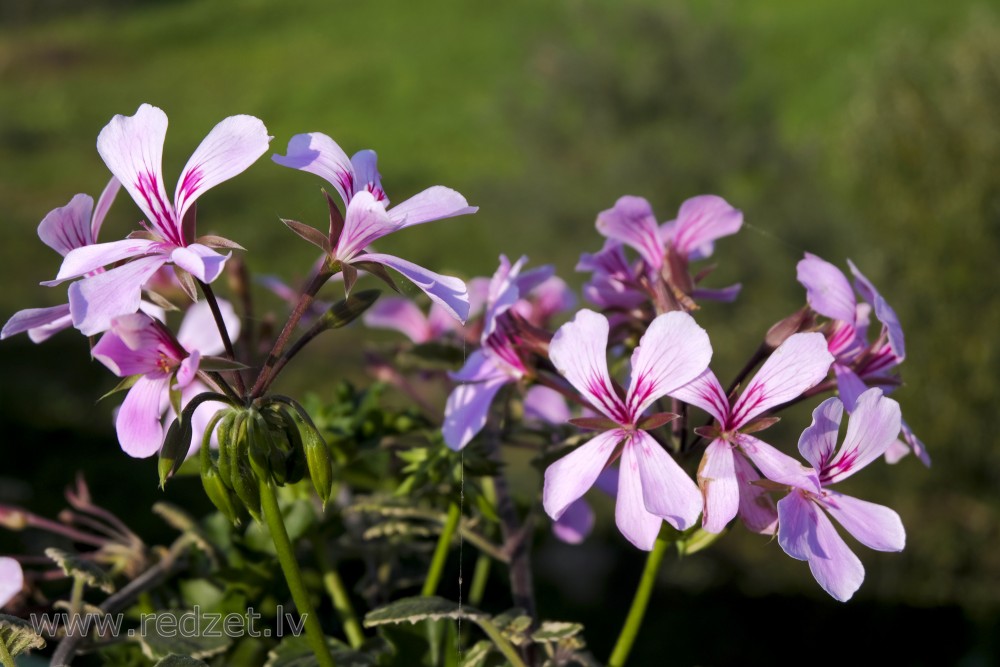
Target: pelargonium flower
point(64, 229)
point(404, 316)
point(132, 147)
point(367, 219)
point(651, 486)
point(498, 362)
point(804, 528)
point(11, 579)
point(725, 475)
point(858, 364)
point(139, 345)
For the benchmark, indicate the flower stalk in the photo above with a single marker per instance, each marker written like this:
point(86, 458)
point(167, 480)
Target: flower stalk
point(441, 550)
point(626, 638)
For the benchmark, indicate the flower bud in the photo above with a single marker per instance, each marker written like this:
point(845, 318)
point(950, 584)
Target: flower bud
point(220, 495)
point(245, 483)
point(317, 454)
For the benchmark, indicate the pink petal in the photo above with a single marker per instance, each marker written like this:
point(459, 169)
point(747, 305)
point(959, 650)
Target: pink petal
point(36, 318)
point(434, 203)
point(365, 222)
point(319, 154)
point(188, 369)
point(139, 431)
point(202, 416)
point(448, 292)
point(915, 444)
point(799, 363)
point(533, 278)
point(673, 351)
point(667, 491)
point(875, 526)
point(757, 510)
point(579, 352)
point(819, 441)
point(95, 301)
point(722, 294)
point(545, 405)
point(103, 206)
point(132, 147)
point(198, 330)
point(706, 393)
point(11, 579)
point(400, 315)
point(575, 523)
point(551, 297)
point(68, 227)
point(467, 409)
point(896, 452)
point(570, 477)
point(228, 150)
point(632, 222)
point(701, 221)
point(366, 176)
point(873, 426)
point(136, 344)
point(849, 386)
point(637, 524)
point(503, 292)
point(717, 480)
point(885, 314)
point(81, 261)
point(200, 261)
point(777, 466)
point(827, 289)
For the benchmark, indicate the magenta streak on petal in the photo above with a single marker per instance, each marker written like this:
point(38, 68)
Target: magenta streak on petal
point(643, 390)
point(346, 179)
point(754, 397)
point(613, 406)
point(377, 192)
point(881, 360)
point(843, 341)
point(192, 180)
point(146, 184)
point(503, 343)
point(843, 463)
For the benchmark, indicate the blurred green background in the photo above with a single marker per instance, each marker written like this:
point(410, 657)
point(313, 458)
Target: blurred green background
point(842, 127)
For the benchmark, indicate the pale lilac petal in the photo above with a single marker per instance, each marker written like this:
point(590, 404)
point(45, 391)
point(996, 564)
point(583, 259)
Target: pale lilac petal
point(637, 524)
point(11, 579)
point(198, 330)
point(228, 150)
point(873, 426)
point(570, 477)
point(450, 293)
point(132, 147)
point(366, 176)
point(799, 363)
point(551, 297)
point(479, 290)
point(631, 221)
point(95, 301)
point(701, 221)
point(757, 510)
point(834, 566)
point(718, 483)
point(819, 441)
point(103, 206)
point(721, 294)
point(545, 405)
point(400, 315)
point(707, 393)
point(778, 466)
point(915, 443)
point(667, 490)
point(533, 278)
point(319, 154)
point(365, 222)
point(575, 524)
point(885, 314)
point(200, 261)
point(467, 409)
point(849, 386)
point(827, 289)
point(607, 481)
point(896, 452)
point(134, 345)
point(188, 369)
point(503, 293)
point(480, 367)
point(139, 431)
point(36, 318)
point(796, 526)
point(68, 227)
point(579, 352)
point(875, 526)
point(434, 203)
point(85, 259)
point(673, 352)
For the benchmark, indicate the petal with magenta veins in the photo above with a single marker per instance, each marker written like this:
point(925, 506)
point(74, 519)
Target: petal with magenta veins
point(872, 428)
point(96, 300)
point(673, 352)
point(103, 206)
point(365, 222)
point(467, 408)
point(434, 203)
point(667, 491)
point(883, 311)
point(138, 425)
point(757, 510)
point(701, 221)
point(579, 352)
point(718, 483)
point(400, 315)
point(575, 524)
point(68, 227)
point(81, 261)
point(778, 466)
point(227, 151)
point(366, 176)
point(318, 154)
point(637, 524)
point(707, 393)
point(503, 292)
point(11, 579)
point(875, 526)
point(132, 147)
point(199, 331)
point(631, 221)
point(819, 441)
point(135, 345)
point(450, 293)
point(570, 477)
point(35, 318)
point(200, 261)
point(827, 290)
point(798, 364)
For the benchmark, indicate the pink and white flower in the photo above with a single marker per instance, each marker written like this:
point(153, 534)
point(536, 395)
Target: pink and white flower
point(804, 528)
point(132, 147)
point(402, 315)
point(652, 487)
point(11, 580)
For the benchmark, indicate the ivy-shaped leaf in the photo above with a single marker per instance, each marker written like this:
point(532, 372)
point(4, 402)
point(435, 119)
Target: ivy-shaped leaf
point(18, 635)
point(295, 652)
point(417, 609)
point(174, 660)
point(166, 633)
point(554, 631)
point(478, 654)
point(74, 566)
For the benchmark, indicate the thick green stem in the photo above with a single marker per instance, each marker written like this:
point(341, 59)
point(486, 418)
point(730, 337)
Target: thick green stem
point(338, 594)
point(634, 619)
point(5, 657)
point(286, 556)
point(441, 550)
point(479, 578)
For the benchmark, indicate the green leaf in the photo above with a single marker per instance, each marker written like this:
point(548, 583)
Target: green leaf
point(182, 633)
point(310, 234)
point(174, 660)
point(175, 397)
point(18, 636)
point(87, 571)
point(295, 652)
point(477, 655)
point(554, 631)
point(417, 609)
point(696, 541)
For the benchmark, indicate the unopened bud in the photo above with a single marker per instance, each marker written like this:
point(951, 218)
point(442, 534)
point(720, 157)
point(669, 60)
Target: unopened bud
point(220, 495)
point(800, 320)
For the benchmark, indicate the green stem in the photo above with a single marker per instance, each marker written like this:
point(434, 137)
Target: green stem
point(286, 556)
point(5, 656)
point(76, 597)
point(501, 643)
point(338, 594)
point(220, 323)
point(441, 550)
point(479, 578)
point(634, 619)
